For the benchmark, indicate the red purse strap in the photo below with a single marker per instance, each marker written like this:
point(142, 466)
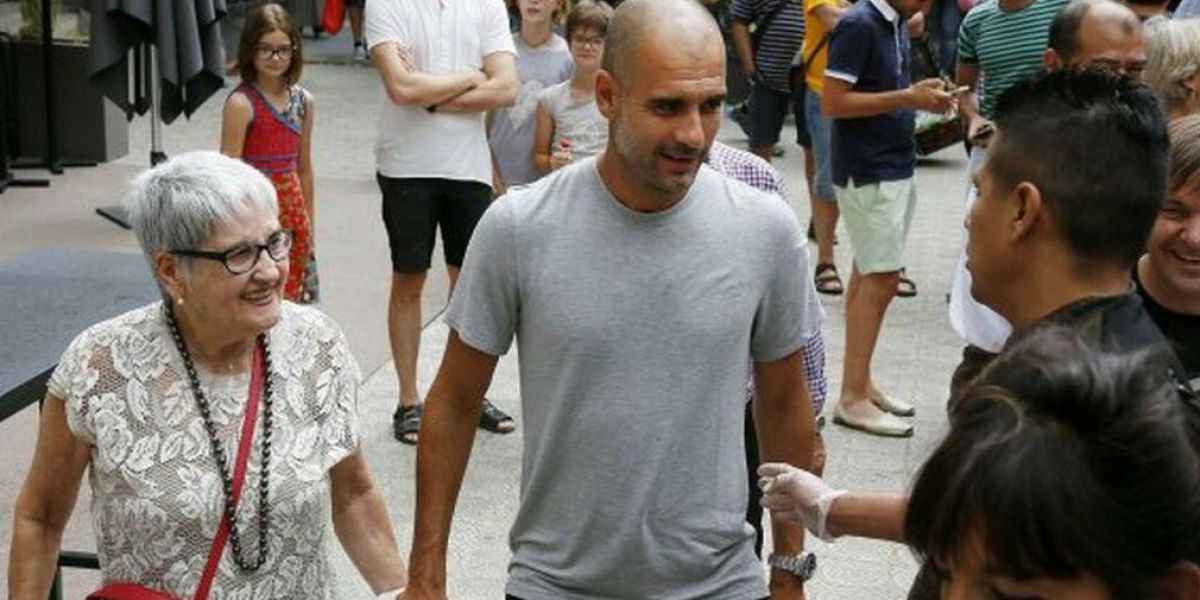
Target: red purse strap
point(239, 474)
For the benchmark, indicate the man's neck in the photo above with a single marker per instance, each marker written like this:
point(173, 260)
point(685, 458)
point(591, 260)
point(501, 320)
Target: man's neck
point(1042, 296)
point(1014, 5)
point(625, 187)
point(536, 34)
point(1156, 287)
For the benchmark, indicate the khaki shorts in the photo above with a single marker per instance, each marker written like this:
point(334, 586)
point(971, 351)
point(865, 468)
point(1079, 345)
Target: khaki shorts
point(877, 217)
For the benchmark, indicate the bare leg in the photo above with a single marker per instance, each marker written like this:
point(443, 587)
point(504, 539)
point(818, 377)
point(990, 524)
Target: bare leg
point(825, 217)
point(867, 300)
point(356, 23)
point(404, 331)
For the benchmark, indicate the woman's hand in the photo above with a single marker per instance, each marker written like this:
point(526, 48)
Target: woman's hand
point(796, 495)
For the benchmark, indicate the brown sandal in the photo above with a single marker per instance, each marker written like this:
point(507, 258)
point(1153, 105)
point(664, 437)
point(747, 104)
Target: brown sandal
point(827, 281)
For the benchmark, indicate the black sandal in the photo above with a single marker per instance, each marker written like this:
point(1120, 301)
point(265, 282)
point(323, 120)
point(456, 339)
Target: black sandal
point(495, 420)
point(826, 280)
point(406, 423)
point(906, 288)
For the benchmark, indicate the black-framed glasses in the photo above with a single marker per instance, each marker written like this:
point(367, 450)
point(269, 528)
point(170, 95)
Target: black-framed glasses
point(242, 258)
point(283, 52)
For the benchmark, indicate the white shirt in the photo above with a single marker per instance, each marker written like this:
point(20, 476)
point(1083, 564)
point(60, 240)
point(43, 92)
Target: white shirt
point(445, 36)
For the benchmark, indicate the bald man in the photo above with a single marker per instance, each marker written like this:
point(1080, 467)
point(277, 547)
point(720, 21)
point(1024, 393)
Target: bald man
point(635, 283)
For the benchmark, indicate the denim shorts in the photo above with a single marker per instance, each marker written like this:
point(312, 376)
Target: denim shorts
point(818, 132)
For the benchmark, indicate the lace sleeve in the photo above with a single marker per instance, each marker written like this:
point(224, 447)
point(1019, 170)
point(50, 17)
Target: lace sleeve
point(74, 381)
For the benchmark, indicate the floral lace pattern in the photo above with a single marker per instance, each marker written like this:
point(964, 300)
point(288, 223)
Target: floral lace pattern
point(157, 498)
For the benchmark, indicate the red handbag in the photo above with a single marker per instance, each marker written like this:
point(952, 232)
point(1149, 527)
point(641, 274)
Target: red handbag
point(133, 591)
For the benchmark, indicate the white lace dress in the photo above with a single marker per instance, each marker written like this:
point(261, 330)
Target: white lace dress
point(157, 498)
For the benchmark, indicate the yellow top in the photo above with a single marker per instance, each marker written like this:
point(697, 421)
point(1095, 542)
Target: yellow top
point(814, 30)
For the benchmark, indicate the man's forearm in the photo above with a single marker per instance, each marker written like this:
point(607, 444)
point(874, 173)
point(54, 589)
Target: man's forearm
point(495, 93)
point(857, 105)
point(743, 46)
point(447, 433)
point(420, 89)
point(876, 516)
point(786, 433)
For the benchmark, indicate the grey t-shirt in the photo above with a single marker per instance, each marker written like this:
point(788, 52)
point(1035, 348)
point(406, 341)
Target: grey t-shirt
point(511, 135)
point(633, 331)
point(577, 121)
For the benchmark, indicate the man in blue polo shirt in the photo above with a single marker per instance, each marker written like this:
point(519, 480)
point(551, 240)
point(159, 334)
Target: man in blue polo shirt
point(869, 96)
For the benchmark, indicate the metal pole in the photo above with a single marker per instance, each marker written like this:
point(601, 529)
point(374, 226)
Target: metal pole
point(157, 155)
point(52, 159)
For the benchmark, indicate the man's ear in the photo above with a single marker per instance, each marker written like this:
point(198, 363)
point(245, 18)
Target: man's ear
point(1051, 60)
point(1182, 582)
point(606, 94)
point(169, 273)
point(1025, 210)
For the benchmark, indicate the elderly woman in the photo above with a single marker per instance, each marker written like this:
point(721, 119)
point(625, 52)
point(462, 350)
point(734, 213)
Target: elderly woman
point(1173, 65)
point(1067, 474)
point(160, 404)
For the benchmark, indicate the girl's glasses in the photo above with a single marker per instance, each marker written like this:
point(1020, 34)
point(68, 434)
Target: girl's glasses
point(283, 52)
point(588, 41)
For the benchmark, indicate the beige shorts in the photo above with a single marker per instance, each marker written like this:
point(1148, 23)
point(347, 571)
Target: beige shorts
point(877, 217)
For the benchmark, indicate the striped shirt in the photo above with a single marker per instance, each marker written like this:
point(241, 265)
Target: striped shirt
point(1006, 45)
point(778, 43)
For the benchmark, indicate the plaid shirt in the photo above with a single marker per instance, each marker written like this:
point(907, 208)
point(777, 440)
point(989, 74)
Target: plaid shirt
point(756, 172)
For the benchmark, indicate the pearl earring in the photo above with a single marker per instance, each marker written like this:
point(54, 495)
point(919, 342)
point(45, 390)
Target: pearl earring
point(179, 301)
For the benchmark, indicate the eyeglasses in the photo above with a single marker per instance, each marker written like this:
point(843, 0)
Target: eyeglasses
point(265, 52)
point(593, 41)
point(242, 258)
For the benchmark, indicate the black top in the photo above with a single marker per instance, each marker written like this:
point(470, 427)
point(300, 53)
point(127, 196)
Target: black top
point(1181, 329)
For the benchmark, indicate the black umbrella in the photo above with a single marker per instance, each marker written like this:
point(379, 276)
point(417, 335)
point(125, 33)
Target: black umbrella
point(184, 38)
point(172, 50)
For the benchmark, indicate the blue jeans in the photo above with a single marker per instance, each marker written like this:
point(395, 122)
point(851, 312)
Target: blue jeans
point(819, 132)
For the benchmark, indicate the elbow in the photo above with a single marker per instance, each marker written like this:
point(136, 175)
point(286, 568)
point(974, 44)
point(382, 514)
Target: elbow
point(508, 93)
point(401, 96)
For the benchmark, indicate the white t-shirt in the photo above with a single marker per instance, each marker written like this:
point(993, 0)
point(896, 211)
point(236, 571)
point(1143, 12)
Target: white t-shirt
point(445, 36)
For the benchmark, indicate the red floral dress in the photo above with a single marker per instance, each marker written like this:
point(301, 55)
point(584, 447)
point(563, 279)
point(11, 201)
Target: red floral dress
point(272, 146)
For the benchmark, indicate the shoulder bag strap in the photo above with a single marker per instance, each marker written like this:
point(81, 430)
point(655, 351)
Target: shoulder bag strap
point(813, 55)
point(239, 474)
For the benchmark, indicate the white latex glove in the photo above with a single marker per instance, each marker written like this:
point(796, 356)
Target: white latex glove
point(796, 495)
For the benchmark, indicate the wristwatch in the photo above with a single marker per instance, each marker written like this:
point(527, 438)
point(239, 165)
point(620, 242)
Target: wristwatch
point(802, 565)
point(432, 108)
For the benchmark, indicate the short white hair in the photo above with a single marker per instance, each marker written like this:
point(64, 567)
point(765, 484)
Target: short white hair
point(1172, 57)
point(180, 203)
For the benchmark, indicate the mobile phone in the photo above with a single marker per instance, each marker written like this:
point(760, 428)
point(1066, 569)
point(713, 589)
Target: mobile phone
point(959, 90)
point(983, 135)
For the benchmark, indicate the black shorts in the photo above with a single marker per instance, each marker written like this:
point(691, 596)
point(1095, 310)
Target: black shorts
point(413, 209)
point(768, 108)
point(354, 3)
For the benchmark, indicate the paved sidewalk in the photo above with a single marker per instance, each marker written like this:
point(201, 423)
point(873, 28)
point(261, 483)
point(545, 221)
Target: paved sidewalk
point(916, 353)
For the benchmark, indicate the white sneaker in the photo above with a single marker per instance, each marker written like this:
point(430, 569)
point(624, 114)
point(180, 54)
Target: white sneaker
point(360, 54)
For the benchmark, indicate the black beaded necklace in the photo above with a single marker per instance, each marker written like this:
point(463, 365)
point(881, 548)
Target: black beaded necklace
point(219, 453)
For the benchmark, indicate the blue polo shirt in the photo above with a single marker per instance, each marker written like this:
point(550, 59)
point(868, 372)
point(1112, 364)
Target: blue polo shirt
point(869, 49)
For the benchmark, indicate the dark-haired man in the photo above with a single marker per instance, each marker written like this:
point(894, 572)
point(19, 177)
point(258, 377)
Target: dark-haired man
point(1070, 186)
point(636, 284)
point(1085, 33)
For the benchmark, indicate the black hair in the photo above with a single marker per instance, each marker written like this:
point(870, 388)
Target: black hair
point(1064, 460)
point(1095, 145)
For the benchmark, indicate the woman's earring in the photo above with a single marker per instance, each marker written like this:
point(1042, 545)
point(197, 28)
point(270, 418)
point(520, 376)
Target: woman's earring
point(179, 301)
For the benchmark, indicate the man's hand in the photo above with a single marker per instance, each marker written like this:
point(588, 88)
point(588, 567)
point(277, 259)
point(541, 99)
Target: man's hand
point(785, 586)
point(930, 95)
point(796, 495)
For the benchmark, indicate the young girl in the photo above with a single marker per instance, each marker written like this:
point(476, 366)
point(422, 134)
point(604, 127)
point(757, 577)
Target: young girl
point(569, 126)
point(267, 122)
point(542, 61)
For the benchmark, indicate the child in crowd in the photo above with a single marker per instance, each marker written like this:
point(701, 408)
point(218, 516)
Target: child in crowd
point(569, 126)
point(267, 121)
point(543, 60)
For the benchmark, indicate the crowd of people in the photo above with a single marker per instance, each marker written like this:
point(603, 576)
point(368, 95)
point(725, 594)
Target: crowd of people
point(659, 288)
